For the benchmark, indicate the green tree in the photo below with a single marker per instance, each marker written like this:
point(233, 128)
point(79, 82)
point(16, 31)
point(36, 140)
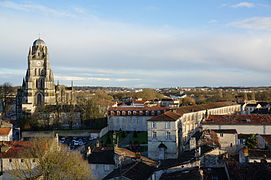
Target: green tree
point(251, 141)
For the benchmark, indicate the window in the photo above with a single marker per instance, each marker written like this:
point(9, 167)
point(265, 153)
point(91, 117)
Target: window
point(167, 125)
point(154, 135)
point(231, 144)
point(10, 160)
point(147, 113)
point(118, 112)
point(141, 112)
point(34, 160)
point(221, 134)
point(129, 113)
point(22, 160)
point(168, 135)
point(134, 112)
point(152, 113)
point(123, 113)
point(154, 125)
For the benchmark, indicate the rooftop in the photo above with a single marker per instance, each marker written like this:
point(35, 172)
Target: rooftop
point(201, 107)
point(102, 155)
point(238, 119)
point(137, 108)
point(134, 171)
point(15, 149)
point(4, 131)
point(225, 131)
point(167, 116)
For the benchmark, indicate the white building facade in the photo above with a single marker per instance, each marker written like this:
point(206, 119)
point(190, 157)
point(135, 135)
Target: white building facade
point(183, 123)
point(132, 118)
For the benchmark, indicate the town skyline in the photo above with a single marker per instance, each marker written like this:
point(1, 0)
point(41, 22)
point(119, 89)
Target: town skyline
point(140, 44)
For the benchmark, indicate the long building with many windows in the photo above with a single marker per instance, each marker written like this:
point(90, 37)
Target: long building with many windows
point(169, 132)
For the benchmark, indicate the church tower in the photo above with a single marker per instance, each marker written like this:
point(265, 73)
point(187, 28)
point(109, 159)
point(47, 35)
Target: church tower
point(38, 85)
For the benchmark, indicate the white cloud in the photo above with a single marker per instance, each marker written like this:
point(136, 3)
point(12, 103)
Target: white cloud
point(212, 21)
point(243, 4)
point(253, 23)
point(38, 8)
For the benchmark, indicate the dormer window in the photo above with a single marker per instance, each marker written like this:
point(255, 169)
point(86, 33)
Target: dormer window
point(123, 113)
point(129, 113)
point(140, 112)
point(147, 113)
point(134, 112)
point(118, 113)
point(152, 113)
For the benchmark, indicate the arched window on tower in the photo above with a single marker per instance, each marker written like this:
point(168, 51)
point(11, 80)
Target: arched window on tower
point(39, 99)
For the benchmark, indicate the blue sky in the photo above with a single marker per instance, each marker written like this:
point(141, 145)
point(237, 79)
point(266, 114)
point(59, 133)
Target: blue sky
point(141, 43)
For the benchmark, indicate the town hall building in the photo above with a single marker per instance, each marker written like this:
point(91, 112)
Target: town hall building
point(38, 87)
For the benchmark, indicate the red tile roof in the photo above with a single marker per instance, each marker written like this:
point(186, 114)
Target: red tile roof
point(167, 116)
point(200, 107)
point(137, 108)
point(4, 131)
point(238, 119)
point(16, 149)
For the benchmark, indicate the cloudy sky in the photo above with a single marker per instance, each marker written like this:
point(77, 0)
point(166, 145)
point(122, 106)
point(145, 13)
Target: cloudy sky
point(141, 43)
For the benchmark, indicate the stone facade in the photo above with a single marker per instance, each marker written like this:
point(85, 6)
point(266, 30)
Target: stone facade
point(38, 86)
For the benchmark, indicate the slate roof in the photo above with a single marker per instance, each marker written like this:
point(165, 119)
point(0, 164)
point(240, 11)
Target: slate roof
point(102, 155)
point(167, 116)
point(258, 153)
point(261, 111)
point(238, 120)
point(188, 174)
point(133, 171)
point(225, 131)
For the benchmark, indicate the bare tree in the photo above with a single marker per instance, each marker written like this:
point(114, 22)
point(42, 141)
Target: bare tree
point(5, 96)
point(53, 161)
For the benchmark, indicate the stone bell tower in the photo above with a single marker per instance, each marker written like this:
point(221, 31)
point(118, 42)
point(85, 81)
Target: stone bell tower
point(38, 86)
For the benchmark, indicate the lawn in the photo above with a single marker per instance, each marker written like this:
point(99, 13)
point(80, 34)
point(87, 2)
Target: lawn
point(107, 139)
point(140, 138)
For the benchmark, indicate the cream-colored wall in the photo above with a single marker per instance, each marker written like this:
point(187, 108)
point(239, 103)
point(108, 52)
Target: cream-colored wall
point(161, 132)
point(8, 137)
point(128, 123)
point(186, 125)
point(242, 129)
point(16, 163)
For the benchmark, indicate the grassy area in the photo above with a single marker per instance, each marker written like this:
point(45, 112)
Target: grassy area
point(140, 138)
point(107, 139)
